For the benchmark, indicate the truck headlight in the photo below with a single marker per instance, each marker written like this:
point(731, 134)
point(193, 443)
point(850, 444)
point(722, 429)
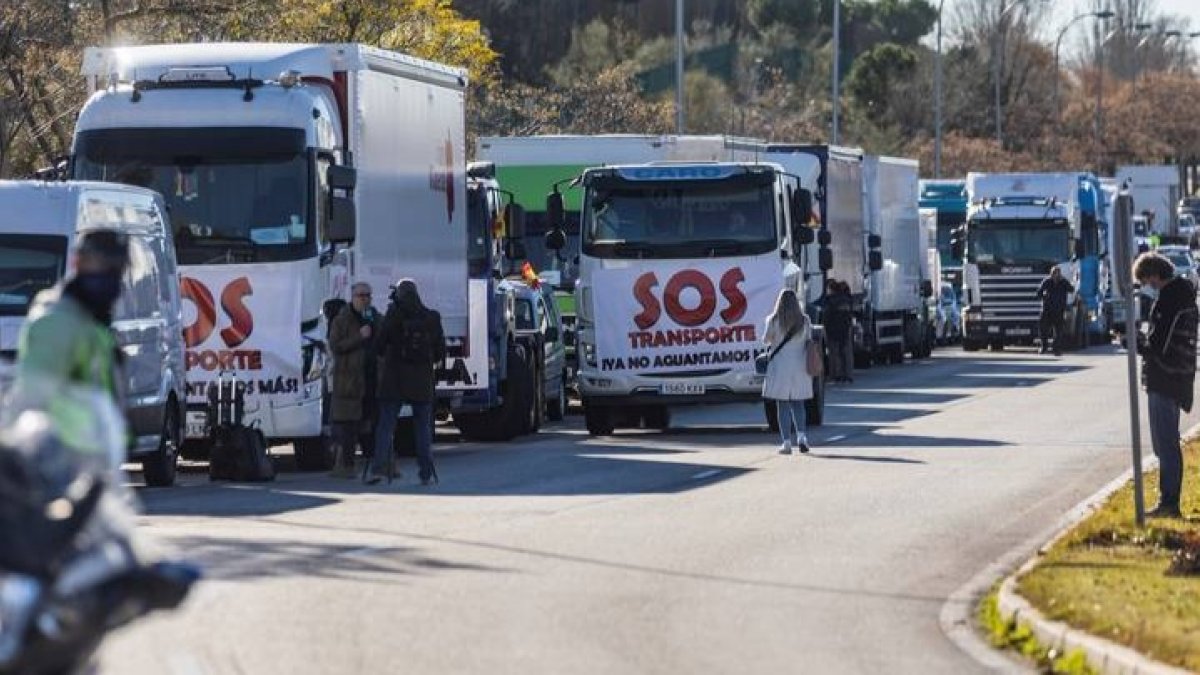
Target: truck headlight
point(589, 353)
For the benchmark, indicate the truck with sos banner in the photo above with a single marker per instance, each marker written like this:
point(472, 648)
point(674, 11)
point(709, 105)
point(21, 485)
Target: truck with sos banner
point(290, 171)
point(680, 265)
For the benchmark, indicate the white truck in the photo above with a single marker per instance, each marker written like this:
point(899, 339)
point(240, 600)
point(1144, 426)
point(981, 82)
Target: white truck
point(680, 264)
point(896, 292)
point(291, 171)
point(1019, 226)
point(1155, 189)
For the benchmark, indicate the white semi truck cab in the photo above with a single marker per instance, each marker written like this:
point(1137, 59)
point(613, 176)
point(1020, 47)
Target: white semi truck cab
point(680, 265)
point(291, 171)
point(1019, 227)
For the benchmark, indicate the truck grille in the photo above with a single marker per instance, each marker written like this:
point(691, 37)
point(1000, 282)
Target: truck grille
point(1010, 297)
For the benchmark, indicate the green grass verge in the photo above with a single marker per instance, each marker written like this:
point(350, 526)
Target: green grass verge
point(1007, 634)
point(1140, 588)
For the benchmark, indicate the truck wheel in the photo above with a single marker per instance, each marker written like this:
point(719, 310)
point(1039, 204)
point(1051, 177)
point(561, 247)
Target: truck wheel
point(599, 421)
point(772, 414)
point(312, 454)
point(159, 469)
point(970, 345)
point(656, 417)
point(814, 408)
point(519, 396)
point(556, 408)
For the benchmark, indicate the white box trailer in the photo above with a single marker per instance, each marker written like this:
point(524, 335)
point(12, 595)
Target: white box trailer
point(251, 146)
point(1154, 188)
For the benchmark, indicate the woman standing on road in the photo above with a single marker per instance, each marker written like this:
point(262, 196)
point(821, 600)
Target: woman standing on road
point(788, 382)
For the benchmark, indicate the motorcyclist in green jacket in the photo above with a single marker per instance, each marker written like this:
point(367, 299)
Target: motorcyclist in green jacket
point(67, 355)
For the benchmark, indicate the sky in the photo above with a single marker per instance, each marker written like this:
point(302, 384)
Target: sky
point(1065, 9)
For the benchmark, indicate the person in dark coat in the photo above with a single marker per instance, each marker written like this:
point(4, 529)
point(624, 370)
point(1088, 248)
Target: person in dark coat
point(1168, 370)
point(411, 345)
point(352, 337)
point(1053, 292)
point(839, 323)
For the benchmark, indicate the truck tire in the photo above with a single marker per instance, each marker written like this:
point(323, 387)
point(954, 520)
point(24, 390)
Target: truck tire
point(970, 345)
point(556, 408)
point(772, 414)
point(159, 469)
point(598, 420)
point(520, 397)
point(814, 408)
point(313, 454)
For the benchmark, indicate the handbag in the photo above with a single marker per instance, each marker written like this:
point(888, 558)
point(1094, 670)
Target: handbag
point(815, 359)
point(763, 360)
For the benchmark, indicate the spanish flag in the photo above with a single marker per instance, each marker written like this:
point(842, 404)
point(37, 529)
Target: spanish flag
point(530, 276)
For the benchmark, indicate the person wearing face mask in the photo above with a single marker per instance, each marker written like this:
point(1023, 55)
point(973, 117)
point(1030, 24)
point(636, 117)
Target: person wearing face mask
point(67, 342)
point(1168, 352)
point(352, 337)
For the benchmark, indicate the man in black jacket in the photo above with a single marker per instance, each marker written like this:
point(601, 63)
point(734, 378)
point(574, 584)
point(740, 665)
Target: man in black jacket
point(1053, 292)
point(1168, 370)
point(412, 345)
point(839, 324)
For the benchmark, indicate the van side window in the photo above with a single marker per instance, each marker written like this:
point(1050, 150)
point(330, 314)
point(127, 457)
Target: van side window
point(140, 295)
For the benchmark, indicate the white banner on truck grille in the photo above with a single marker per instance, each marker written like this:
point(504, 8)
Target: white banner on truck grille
point(672, 316)
point(243, 319)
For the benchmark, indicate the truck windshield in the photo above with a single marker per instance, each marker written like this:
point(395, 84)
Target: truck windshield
point(29, 264)
point(234, 194)
point(1007, 243)
point(628, 219)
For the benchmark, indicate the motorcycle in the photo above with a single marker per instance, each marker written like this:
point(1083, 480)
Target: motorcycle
point(70, 569)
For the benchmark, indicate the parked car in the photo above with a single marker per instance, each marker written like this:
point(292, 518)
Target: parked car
point(148, 320)
point(949, 316)
point(537, 316)
point(1181, 258)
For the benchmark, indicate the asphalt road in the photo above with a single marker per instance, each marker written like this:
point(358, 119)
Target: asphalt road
point(696, 550)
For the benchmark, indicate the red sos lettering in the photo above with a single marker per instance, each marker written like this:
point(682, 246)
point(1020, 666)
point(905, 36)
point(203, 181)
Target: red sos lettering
point(241, 321)
point(652, 309)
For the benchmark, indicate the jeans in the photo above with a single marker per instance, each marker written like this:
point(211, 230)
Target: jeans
point(1164, 437)
point(792, 415)
point(841, 359)
point(422, 430)
point(1051, 324)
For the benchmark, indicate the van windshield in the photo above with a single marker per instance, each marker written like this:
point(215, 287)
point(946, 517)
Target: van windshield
point(29, 264)
point(234, 195)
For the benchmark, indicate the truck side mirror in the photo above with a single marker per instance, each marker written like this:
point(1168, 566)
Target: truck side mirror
point(926, 288)
point(875, 261)
point(556, 239)
point(514, 249)
point(801, 206)
point(874, 241)
point(514, 220)
point(552, 334)
point(824, 237)
point(343, 220)
point(803, 234)
point(555, 210)
point(825, 259)
point(341, 177)
point(569, 338)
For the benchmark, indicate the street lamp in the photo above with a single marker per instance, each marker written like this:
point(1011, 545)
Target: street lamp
point(937, 98)
point(837, 66)
point(679, 117)
point(1103, 14)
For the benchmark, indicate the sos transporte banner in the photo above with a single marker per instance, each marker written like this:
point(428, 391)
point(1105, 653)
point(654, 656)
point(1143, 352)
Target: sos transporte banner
point(673, 316)
point(243, 319)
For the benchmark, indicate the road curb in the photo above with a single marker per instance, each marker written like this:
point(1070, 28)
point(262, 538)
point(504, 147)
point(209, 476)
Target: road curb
point(1103, 655)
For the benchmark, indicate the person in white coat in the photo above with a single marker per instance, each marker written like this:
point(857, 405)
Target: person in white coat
point(788, 383)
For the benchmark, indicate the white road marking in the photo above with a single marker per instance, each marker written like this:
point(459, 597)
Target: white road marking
point(835, 439)
point(706, 474)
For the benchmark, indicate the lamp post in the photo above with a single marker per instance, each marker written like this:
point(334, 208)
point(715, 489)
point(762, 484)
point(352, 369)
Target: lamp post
point(1104, 14)
point(679, 117)
point(837, 66)
point(937, 98)
point(1100, 100)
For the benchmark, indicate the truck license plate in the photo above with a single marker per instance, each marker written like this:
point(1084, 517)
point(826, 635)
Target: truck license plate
point(1019, 331)
point(197, 424)
point(680, 389)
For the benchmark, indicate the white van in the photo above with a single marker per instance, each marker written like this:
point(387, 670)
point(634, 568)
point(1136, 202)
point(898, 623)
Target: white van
point(38, 224)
